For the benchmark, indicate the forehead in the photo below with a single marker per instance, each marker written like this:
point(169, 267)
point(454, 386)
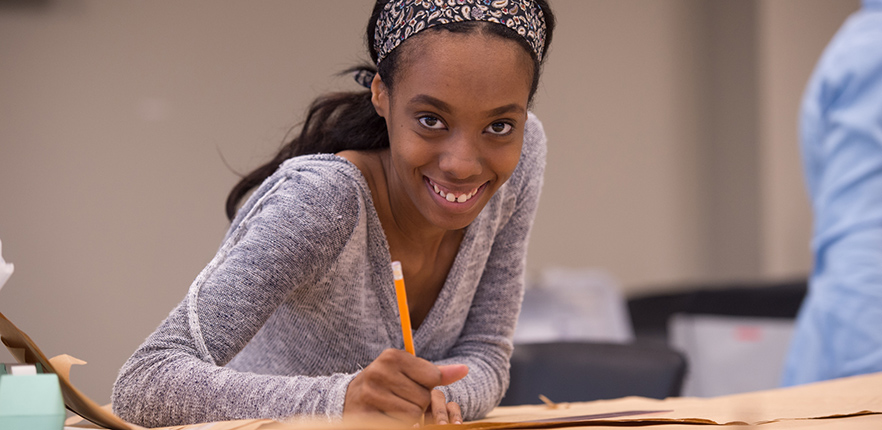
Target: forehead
point(474, 65)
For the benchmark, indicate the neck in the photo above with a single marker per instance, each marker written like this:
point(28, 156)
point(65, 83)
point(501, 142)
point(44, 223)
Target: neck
point(407, 231)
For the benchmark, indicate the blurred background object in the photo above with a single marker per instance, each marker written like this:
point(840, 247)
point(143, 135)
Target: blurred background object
point(583, 371)
point(734, 336)
point(574, 305)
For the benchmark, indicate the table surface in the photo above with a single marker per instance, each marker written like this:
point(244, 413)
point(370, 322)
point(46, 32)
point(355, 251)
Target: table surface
point(848, 403)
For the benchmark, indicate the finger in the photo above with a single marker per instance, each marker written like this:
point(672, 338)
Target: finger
point(454, 413)
point(394, 409)
point(439, 408)
point(420, 370)
point(402, 398)
point(404, 376)
point(397, 407)
point(426, 373)
point(412, 392)
point(383, 387)
point(452, 373)
point(374, 396)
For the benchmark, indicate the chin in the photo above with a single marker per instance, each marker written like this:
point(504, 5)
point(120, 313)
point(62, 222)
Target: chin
point(456, 221)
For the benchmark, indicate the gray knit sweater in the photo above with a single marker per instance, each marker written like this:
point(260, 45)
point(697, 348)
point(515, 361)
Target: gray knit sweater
point(300, 298)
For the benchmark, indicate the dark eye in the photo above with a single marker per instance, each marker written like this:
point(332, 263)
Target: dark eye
point(431, 122)
point(499, 128)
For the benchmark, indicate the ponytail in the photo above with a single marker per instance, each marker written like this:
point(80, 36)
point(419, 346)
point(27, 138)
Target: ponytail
point(334, 122)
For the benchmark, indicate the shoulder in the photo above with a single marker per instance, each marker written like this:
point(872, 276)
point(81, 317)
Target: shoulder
point(531, 165)
point(321, 188)
point(323, 173)
point(534, 132)
point(858, 39)
point(851, 66)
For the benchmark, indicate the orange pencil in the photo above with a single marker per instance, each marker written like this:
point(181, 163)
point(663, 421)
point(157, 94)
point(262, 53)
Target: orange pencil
point(403, 311)
point(404, 314)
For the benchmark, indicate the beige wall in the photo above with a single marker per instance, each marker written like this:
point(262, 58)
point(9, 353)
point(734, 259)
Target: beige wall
point(790, 35)
point(672, 153)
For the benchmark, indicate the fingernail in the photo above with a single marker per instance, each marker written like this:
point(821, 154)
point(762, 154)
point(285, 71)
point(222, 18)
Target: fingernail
point(457, 422)
point(442, 422)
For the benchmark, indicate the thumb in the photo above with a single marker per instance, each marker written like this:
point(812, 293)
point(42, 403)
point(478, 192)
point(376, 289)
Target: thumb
point(452, 372)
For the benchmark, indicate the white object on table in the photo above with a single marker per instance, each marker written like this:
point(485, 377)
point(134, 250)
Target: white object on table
point(6, 269)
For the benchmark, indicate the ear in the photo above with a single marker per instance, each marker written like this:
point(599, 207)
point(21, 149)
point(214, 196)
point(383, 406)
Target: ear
point(380, 96)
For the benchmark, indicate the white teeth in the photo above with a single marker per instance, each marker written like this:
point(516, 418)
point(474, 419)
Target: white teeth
point(450, 197)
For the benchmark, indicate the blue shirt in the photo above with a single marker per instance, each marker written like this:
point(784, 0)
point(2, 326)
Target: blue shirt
point(839, 328)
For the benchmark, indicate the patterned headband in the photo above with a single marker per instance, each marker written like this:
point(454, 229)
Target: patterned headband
point(401, 19)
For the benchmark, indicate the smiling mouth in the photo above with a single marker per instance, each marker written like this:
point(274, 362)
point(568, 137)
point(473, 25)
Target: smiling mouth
point(452, 197)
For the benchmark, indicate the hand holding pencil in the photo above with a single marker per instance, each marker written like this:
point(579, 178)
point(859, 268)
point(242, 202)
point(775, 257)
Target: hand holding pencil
point(399, 385)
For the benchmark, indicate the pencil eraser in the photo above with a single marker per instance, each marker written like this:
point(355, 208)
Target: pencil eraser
point(396, 271)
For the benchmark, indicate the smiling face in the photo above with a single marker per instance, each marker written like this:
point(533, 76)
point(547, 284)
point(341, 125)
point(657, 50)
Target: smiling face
point(455, 118)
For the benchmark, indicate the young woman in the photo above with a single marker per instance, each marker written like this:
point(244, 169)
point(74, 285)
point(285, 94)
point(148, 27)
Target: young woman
point(439, 166)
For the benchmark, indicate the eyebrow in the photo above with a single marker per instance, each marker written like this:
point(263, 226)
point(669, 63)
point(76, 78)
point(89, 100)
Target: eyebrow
point(427, 99)
point(441, 105)
point(510, 108)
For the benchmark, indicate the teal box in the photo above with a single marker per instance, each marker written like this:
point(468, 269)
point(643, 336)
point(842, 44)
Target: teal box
point(30, 402)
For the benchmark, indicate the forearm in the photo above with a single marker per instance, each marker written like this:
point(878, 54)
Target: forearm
point(482, 389)
point(176, 390)
point(165, 383)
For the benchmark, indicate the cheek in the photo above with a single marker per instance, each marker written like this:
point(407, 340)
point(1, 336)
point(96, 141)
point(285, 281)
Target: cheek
point(406, 149)
point(505, 160)
point(409, 154)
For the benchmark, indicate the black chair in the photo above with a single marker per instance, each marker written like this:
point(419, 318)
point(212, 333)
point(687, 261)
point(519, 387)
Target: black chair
point(651, 314)
point(584, 371)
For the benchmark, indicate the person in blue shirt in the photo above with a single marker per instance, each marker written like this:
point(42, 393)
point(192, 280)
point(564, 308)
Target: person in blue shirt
point(839, 327)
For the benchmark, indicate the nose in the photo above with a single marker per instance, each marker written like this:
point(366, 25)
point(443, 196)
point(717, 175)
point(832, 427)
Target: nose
point(461, 157)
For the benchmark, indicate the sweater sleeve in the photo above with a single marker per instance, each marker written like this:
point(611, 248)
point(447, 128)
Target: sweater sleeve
point(485, 344)
point(292, 231)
